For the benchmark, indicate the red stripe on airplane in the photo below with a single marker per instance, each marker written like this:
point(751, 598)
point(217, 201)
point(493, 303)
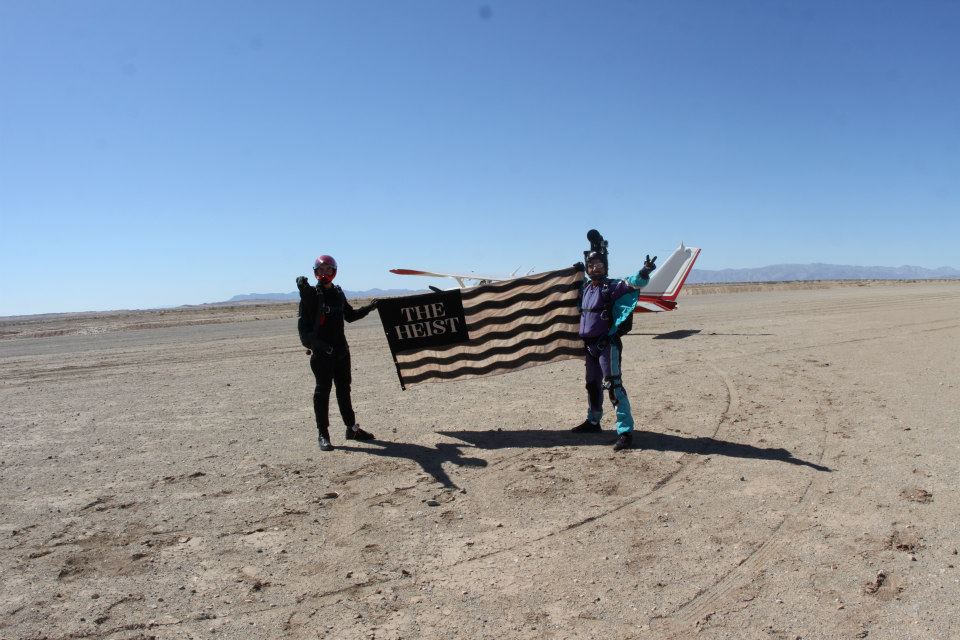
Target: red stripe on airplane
point(408, 272)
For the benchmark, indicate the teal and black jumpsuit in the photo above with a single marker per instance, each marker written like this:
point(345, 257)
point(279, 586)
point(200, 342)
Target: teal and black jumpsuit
point(604, 307)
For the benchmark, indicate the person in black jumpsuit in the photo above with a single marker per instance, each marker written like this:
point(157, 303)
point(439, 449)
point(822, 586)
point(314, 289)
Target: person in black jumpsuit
point(323, 309)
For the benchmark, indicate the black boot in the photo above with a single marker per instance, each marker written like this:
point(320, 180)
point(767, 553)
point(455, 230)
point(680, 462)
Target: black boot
point(624, 441)
point(325, 441)
point(356, 433)
point(587, 427)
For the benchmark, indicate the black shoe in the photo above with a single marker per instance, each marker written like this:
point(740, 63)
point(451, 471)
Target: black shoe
point(587, 427)
point(356, 433)
point(325, 443)
point(624, 441)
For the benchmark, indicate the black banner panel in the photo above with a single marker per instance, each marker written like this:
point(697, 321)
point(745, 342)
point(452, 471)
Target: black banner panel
point(422, 322)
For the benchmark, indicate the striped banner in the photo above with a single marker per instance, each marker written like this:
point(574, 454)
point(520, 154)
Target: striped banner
point(509, 325)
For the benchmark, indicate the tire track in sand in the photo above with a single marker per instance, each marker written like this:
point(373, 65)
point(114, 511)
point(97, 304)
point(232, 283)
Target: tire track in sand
point(696, 611)
point(733, 405)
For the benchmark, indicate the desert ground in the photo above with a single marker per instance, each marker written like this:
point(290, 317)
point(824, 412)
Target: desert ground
point(794, 476)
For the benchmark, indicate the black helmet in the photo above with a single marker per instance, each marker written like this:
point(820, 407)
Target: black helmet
point(596, 255)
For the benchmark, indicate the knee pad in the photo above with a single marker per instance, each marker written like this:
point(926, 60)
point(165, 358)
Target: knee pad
point(611, 384)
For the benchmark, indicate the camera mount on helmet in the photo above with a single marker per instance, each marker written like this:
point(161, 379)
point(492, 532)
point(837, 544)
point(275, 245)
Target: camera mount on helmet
point(598, 249)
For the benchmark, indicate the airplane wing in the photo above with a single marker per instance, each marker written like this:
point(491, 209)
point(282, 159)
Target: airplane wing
point(461, 278)
point(660, 294)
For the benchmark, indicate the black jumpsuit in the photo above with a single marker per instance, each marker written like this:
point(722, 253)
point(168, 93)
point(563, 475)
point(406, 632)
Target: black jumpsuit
point(322, 314)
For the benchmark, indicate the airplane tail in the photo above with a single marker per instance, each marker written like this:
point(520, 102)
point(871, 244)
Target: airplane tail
point(660, 294)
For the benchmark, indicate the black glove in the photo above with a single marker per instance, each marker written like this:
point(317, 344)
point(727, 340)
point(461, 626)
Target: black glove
point(373, 303)
point(648, 266)
point(302, 282)
point(579, 266)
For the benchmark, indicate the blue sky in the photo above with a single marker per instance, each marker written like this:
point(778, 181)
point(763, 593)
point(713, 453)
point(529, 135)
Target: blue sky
point(164, 153)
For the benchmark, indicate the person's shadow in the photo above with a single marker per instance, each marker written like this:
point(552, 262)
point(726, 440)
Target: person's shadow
point(532, 438)
point(430, 459)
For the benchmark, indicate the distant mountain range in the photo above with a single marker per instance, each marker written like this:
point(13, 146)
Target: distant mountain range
point(819, 271)
point(772, 273)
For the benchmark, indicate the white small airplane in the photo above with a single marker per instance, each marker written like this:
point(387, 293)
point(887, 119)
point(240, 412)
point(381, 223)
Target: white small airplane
point(659, 294)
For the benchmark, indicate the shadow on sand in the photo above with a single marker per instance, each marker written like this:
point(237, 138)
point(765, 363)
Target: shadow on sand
point(531, 438)
point(680, 334)
point(430, 459)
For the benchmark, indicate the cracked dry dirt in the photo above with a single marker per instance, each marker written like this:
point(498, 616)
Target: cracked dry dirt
point(795, 477)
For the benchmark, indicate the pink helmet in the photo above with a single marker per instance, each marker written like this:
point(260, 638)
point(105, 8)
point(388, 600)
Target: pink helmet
point(327, 261)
